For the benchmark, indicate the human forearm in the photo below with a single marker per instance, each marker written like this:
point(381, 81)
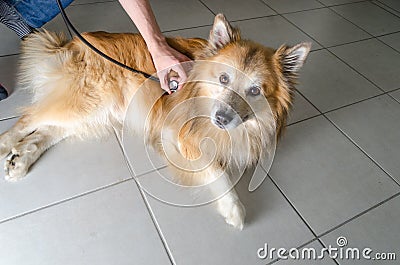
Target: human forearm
point(141, 14)
point(164, 57)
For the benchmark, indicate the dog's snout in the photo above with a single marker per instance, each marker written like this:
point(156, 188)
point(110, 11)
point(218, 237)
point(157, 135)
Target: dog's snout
point(223, 118)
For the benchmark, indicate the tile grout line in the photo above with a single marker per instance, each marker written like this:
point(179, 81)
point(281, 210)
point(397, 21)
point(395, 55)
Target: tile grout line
point(277, 14)
point(321, 113)
point(334, 124)
point(352, 141)
point(318, 237)
point(260, 17)
point(343, 4)
point(298, 213)
point(362, 100)
point(329, 7)
point(105, 187)
point(121, 146)
point(266, 16)
point(360, 214)
point(364, 39)
point(342, 44)
point(313, 8)
point(348, 137)
point(209, 9)
point(318, 49)
point(363, 151)
point(324, 48)
point(303, 219)
point(9, 118)
point(146, 202)
point(354, 69)
point(91, 3)
point(288, 125)
point(359, 101)
point(177, 29)
point(302, 120)
point(397, 100)
point(294, 25)
point(156, 224)
point(292, 205)
point(387, 43)
point(365, 31)
point(59, 202)
point(390, 8)
point(281, 15)
point(341, 107)
point(298, 248)
point(195, 27)
point(73, 197)
point(302, 246)
point(166, 248)
point(9, 55)
point(252, 18)
point(280, 190)
point(126, 159)
point(71, 35)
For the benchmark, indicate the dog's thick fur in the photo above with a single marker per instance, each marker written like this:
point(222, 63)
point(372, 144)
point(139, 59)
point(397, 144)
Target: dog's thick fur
point(79, 94)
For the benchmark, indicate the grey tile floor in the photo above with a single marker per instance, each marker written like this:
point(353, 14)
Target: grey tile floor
point(336, 172)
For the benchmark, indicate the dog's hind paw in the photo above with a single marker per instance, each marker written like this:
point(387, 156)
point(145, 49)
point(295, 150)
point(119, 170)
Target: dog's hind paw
point(15, 167)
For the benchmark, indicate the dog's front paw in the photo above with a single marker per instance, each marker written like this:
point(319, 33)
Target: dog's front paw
point(234, 213)
point(4, 150)
point(15, 167)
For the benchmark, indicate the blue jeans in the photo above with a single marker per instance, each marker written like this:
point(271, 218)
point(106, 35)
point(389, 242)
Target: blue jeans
point(36, 13)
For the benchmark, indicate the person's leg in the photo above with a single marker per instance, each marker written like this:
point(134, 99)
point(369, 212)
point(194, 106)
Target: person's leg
point(10, 17)
point(36, 13)
point(23, 17)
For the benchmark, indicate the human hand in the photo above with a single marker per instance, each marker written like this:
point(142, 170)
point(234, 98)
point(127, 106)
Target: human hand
point(167, 62)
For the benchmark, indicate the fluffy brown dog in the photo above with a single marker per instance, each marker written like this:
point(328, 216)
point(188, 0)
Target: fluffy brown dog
point(79, 94)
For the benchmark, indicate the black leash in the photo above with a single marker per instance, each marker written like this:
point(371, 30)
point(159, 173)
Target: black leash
point(173, 83)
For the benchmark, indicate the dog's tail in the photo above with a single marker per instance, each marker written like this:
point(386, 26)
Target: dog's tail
point(43, 54)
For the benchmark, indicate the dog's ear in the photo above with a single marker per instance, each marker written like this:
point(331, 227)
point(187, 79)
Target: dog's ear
point(291, 59)
point(222, 32)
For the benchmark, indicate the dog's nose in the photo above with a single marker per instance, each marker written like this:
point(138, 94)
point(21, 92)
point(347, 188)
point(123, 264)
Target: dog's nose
point(223, 118)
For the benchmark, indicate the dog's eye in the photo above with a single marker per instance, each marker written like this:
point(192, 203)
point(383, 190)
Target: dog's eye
point(224, 79)
point(254, 91)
